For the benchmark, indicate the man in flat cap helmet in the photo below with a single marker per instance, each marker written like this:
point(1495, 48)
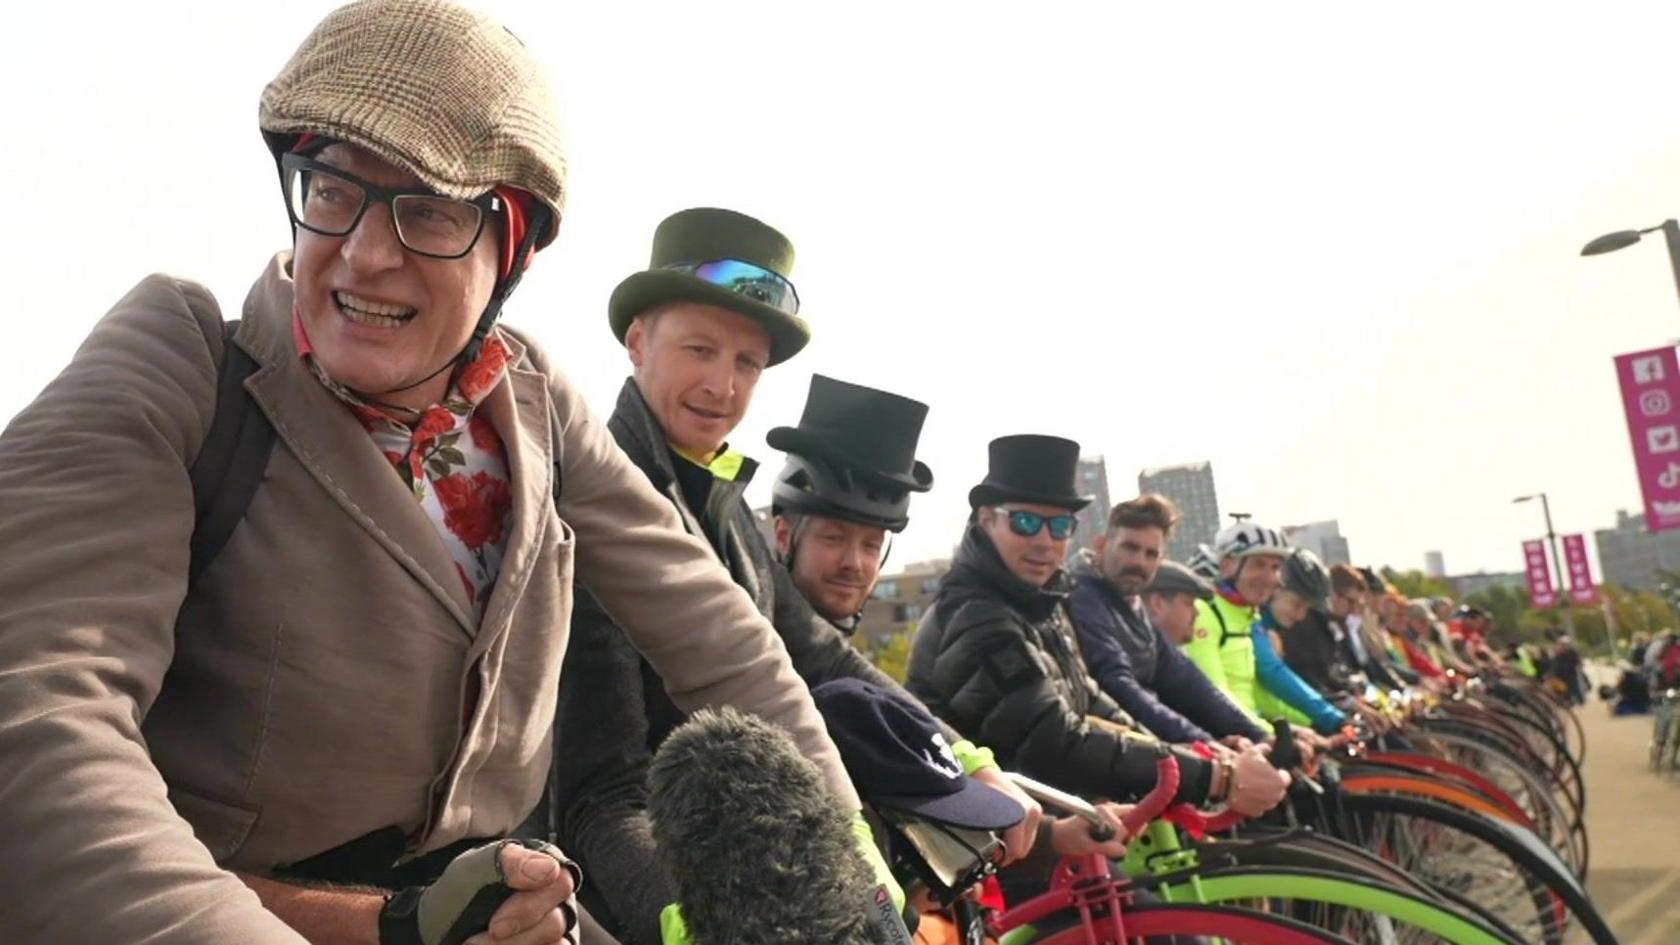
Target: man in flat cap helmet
point(283, 607)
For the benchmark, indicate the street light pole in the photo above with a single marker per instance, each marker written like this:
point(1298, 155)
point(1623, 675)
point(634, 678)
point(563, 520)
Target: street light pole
point(1621, 239)
point(1551, 534)
point(1565, 601)
point(1671, 236)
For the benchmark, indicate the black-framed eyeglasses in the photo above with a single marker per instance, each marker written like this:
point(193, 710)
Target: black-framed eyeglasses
point(1028, 524)
point(745, 279)
point(331, 201)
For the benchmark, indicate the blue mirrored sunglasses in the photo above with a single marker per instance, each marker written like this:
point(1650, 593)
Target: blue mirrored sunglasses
point(1027, 524)
point(745, 279)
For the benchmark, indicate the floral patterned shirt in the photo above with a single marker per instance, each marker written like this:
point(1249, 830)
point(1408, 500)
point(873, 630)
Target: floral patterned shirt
point(451, 460)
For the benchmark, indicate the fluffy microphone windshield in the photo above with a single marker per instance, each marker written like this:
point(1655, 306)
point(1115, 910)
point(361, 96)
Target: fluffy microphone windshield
point(758, 847)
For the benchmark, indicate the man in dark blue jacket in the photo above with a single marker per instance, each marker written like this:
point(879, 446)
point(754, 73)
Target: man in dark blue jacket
point(1126, 653)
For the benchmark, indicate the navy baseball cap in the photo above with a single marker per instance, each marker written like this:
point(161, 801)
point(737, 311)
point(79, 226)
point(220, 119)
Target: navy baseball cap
point(898, 758)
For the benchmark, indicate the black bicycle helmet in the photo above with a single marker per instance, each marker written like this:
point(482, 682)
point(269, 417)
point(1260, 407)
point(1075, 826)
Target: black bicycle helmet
point(1373, 581)
point(815, 487)
point(1306, 577)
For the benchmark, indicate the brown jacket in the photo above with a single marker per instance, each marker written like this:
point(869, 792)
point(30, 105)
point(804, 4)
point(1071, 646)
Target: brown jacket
point(323, 679)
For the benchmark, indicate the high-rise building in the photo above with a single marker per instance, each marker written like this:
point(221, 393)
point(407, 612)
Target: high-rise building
point(1434, 564)
point(1093, 519)
point(1190, 486)
point(1322, 538)
point(1631, 556)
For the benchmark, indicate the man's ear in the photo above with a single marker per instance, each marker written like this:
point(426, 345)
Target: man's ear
point(784, 535)
point(1099, 543)
point(636, 340)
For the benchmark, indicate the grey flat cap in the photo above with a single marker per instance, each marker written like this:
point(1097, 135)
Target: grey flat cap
point(1175, 578)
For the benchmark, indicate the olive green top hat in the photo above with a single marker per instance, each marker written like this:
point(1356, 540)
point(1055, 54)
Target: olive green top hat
point(707, 235)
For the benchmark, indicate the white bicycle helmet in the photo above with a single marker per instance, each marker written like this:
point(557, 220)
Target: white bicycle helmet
point(1247, 539)
point(1204, 562)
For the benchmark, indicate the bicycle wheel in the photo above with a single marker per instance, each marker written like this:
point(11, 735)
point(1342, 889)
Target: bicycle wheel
point(1515, 766)
point(1163, 920)
point(1546, 816)
point(1305, 849)
point(1295, 848)
point(1355, 908)
point(1509, 872)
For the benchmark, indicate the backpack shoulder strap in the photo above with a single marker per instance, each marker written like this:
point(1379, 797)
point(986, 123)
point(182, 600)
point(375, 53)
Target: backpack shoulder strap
point(1224, 626)
point(232, 459)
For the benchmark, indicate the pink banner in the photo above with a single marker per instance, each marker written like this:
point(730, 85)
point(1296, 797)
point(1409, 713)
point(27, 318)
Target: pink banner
point(1582, 590)
point(1540, 590)
point(1651, 398)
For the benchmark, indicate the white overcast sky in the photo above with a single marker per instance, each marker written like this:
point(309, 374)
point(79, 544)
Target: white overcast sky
point(1331, 247)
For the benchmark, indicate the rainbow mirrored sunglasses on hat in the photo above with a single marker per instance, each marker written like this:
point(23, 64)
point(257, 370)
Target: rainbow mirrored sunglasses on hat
point(744, 279)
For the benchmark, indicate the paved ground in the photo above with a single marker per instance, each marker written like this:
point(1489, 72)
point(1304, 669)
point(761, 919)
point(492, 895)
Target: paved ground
point(1633, 826)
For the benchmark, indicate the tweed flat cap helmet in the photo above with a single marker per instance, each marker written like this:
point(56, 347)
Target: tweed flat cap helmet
point(435, 88)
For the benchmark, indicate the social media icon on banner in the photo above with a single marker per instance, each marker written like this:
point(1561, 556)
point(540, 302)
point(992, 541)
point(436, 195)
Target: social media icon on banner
point(1655, 403)
point(1670, 477)
point(1648, 370)
point(1663, 439)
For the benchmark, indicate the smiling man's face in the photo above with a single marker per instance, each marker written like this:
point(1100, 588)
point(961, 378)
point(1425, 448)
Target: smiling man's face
point(380, 317)
point(696, 366)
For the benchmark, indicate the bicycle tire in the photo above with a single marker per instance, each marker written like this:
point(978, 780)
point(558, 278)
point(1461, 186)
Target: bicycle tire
point(1305, 849)
point(1548, 819)
point(1535, 792)
point(1165, 920)
point(1344, 905)
point(1548, 899)
point(1512, 746)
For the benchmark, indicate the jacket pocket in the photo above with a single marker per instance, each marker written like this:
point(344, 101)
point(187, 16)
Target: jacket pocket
point(221, 826)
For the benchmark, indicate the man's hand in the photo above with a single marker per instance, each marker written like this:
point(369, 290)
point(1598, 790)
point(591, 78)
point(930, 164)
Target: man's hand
point(1236, 743)
point(1017, 840)
point(534, 914)
point(1309, 743)
point(1071, 836)
point(1256, 786)
point(1373, 717)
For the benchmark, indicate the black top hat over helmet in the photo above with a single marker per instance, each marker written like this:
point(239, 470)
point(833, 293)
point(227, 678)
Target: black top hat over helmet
point(852, 456)
point(1031, 467)
point(704, 235)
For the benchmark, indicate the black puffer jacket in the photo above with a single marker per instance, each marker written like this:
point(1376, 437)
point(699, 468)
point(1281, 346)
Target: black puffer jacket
point(614, 712)
point(997, 659)
point(1317, 649)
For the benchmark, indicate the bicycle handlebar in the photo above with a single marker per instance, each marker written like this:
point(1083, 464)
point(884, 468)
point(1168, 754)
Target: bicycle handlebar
point(1157, 803)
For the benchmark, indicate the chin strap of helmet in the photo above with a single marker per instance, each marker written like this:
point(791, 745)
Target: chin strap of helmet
point(536, 225)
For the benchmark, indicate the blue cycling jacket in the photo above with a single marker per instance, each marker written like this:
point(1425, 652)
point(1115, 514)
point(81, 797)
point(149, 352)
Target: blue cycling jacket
point(1288, 687)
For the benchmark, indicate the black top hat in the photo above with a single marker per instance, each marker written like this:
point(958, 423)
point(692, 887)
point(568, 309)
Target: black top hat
point(870, 432)
point(898, 758)
point(706, 235)
point(1029, 467)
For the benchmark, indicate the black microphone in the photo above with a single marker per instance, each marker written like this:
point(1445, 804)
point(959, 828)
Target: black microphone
point(760, 851)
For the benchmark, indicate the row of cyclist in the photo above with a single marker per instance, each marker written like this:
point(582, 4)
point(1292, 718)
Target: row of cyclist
point(198, 752)
point(1317, 758)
